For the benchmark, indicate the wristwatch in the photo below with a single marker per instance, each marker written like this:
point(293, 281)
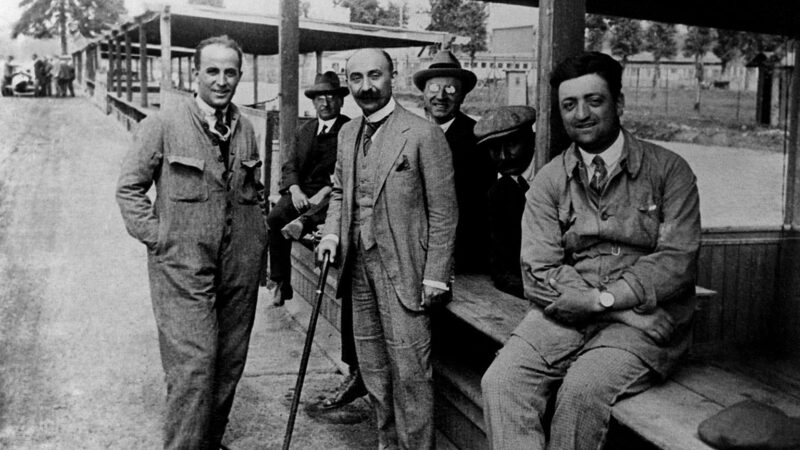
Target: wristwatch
point(606, 299)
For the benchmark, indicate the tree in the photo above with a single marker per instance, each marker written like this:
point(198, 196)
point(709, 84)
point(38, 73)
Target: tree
point(699, 41)
point(626, 38)
point(371, 12)
point(45, 19)
point(596, 28)
point(731, 45)
point(659, 40)
point(461, 18)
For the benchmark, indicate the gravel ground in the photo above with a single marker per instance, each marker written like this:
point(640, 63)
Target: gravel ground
point(79, 363)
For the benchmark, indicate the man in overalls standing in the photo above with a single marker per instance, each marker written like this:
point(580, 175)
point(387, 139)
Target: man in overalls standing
point(206, 242)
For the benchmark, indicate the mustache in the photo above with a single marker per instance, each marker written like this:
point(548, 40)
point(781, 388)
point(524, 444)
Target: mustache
point(371, 94)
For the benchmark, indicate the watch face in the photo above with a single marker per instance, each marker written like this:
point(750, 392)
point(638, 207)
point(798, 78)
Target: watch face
point(606, 300)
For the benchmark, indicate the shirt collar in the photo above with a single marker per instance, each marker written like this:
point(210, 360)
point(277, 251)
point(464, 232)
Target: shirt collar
point(207, 109)
point(325, 123)
point(630, 155)
point(382, 113)
point(445, 126)
point(610, 156)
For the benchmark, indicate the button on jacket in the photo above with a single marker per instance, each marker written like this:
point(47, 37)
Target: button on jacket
point(199, 201)
point(206, 238)
point(644, 228)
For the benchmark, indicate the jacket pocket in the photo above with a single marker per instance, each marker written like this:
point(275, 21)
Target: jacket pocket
point(251, 186)
point(186, 179)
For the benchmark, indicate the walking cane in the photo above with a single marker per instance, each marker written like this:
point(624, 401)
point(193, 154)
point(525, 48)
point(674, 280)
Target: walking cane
point(301, 374)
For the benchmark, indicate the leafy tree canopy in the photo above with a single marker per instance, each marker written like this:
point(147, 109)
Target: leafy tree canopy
point(699, 41)
point(596, 29)
point(659, 40)
point(371, 12)
point(626, 38)
point(462, 18)
point(45, 19)
point(731, 45)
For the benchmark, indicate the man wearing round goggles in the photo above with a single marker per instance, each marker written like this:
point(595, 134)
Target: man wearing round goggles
point(444, 85)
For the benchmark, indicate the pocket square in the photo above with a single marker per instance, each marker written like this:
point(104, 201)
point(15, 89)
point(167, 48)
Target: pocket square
point(404, 165)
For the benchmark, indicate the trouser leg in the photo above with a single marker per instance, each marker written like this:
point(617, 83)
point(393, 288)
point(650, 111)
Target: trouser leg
point(348, 341)
point(595, 381)
point(236, 310)
point(516, 388)
point(279, 247)
point(187, 334)
point(371, 349)
point(393, 346)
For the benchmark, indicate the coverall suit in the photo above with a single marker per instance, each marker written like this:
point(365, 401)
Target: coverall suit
point(206, 238)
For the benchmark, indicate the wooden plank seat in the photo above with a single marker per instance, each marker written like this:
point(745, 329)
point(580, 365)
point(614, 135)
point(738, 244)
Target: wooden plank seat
point(470, 330)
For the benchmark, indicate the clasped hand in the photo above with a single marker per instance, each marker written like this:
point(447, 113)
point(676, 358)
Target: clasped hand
point(573, 306)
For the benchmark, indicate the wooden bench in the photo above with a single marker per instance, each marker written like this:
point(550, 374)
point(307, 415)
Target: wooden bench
point(474, 326)
point(664, 417)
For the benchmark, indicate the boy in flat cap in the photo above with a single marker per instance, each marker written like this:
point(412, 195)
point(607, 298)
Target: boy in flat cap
point(506, 134)
point(444, 85)
point(305, 180)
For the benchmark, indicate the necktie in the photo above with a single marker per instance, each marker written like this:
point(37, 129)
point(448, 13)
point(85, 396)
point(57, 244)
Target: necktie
point(523, 185)
point(220, 126)
point(600, 174)
point(324, 130)
point(369, 130)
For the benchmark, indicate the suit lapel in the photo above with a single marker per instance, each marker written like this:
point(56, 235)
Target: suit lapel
point(390, 143)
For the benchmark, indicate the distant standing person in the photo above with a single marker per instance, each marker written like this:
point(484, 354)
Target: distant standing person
point(206, 242)
point(444, 85)
point(39, 74)
point(391, 222)
point(305, 180)
point(8, 74)
point(610, 236)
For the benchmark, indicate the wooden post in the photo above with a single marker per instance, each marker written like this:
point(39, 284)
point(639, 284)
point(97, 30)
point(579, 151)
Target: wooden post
point(561, 24)
point(180, 73)
point(289, 46)
point(255, 79)
point(110, 58)
point(118, 59)
point(143, 78)
point(128, 67)
point(792, 210)
point(166, 55)
point(191, 69)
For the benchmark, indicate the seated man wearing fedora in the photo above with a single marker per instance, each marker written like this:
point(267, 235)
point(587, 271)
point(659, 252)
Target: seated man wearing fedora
point(444, 85)
point(305, 180)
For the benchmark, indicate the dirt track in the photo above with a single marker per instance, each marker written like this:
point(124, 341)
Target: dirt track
point(79, 363)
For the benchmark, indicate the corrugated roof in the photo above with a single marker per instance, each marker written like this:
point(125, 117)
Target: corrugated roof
point(258, 34)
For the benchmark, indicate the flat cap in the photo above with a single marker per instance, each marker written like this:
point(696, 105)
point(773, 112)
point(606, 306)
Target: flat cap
point(502, 121)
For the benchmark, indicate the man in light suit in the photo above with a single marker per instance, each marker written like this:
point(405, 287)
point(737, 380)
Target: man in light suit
point(392, 220)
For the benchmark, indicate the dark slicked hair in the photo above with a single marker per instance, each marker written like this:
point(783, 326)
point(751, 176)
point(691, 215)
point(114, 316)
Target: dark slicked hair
point(224, 41)
point(587, 63)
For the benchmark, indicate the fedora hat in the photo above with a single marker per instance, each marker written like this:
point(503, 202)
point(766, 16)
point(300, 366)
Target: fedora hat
point(326, 83)
point(445, 64)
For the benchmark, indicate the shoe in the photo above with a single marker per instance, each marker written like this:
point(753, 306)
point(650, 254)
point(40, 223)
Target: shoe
point(293, 230)
point(351, 388)
point(280, 291)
